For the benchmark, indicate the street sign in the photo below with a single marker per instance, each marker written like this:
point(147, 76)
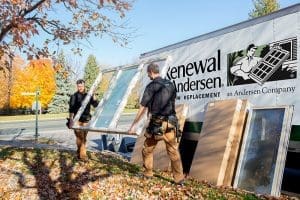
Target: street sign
point(38, 106)
point(28, 93)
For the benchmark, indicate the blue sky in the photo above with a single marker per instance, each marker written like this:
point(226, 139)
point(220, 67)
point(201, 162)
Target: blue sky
point(159, 23)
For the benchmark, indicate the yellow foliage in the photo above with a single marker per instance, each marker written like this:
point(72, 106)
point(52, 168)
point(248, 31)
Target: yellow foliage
point(6, 72)
point(37, 74)
point(58, 68)
point(3, 82)
point(3, 89)
point(104, 84)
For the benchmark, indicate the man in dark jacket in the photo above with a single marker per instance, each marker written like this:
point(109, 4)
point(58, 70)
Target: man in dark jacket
point(159, 100)
point(74, 105)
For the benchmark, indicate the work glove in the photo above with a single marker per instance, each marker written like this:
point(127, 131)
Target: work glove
point(69, 123)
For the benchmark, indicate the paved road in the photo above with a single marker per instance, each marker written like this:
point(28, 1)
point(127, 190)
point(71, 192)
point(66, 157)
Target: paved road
point(29, 126)
point(50, 125)
point(22, 133)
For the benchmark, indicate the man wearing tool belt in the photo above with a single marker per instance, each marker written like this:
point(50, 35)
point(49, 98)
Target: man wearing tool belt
point(159, 100)
point(74, 105)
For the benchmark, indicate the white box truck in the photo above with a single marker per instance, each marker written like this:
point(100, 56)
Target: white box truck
point(256, 60)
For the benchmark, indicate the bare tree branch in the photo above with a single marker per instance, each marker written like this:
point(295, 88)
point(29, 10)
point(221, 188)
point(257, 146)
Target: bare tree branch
point(21, 20)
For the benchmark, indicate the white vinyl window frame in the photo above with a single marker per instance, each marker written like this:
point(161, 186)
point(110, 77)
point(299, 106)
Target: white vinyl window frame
point(112, 128)
point(281, 152)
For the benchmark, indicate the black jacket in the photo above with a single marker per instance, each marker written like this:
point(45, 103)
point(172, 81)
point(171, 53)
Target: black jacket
point(75, 103)
point(159, 97)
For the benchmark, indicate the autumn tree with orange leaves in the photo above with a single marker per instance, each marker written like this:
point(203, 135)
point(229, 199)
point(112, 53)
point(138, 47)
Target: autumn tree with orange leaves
point(37, 74)
point(3, 87)
point(30, 27)
point(61, 22)
point(7, 79)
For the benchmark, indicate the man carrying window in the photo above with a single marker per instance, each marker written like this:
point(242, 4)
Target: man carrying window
point(159, 100)
point(74, 105)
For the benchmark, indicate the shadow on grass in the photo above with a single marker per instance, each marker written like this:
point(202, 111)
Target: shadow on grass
point(116, 165)
point(6, 152)
point(69, 183)
point(59, 174)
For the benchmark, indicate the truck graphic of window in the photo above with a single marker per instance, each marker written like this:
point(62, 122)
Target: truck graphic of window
point(268, 65)
point(289, 45)
point(290, 64)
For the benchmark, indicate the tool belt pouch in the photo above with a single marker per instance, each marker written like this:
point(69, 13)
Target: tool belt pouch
point(173, 121)
point(154, 128)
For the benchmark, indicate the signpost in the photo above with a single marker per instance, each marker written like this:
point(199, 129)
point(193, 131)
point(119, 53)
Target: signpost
point(36, 94)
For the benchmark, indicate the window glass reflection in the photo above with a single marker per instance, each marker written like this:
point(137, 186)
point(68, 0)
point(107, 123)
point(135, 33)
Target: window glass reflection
point(111, 104)
point(260, 155)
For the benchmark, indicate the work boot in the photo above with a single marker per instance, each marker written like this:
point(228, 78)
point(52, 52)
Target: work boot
point(180, 183)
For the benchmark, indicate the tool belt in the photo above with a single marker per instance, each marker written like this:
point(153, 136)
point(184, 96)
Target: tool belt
point(160, 125)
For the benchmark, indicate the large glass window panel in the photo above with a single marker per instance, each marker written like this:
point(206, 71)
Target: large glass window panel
point(122, 81)
point(87, 99)
point(139, 90)
point(265, 144)
point(111, 104)
point(105, 83)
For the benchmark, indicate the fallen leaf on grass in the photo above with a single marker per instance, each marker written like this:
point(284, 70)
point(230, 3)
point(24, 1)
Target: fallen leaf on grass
point(53, 174)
